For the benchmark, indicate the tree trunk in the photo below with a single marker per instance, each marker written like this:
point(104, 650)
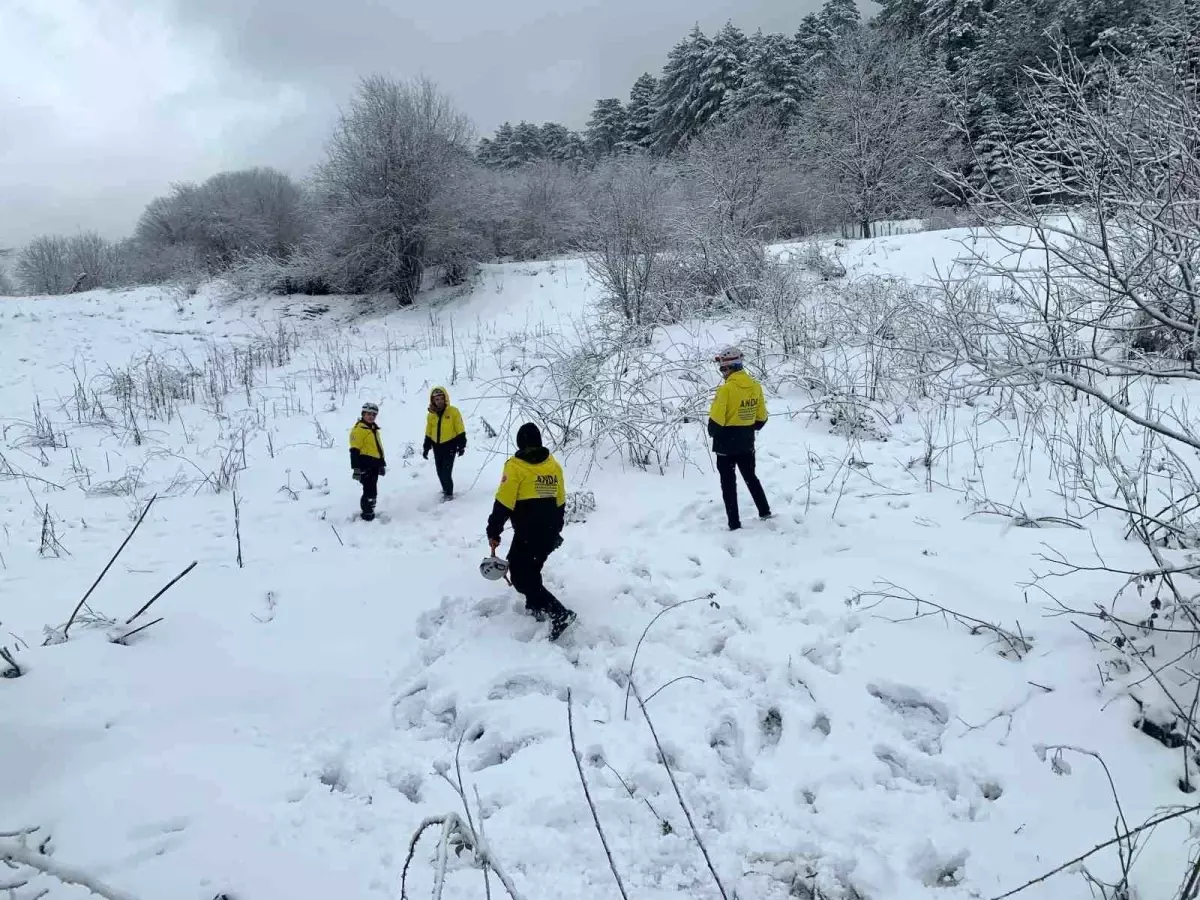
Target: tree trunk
point(866, 228)
point(406, 280)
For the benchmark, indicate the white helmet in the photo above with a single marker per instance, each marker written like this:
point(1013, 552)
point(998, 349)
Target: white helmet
point(493, 568)
point(730, 356)
point(370, 407)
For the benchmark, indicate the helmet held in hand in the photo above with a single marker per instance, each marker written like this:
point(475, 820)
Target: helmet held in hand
point(493, 568)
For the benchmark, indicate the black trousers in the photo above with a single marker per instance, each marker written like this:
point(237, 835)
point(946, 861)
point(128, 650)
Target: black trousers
point(525, 563)
point(370, 488)
point(443, 461)
point(727, 468)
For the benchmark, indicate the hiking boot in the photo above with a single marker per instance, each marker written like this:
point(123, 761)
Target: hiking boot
point(368, 515)
point(561, 623)
point(734, 526)
point(767, 515)
point(539, 615)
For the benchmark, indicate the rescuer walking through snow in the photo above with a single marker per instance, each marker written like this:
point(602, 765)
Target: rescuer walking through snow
point(533, 495)
point(738, 411)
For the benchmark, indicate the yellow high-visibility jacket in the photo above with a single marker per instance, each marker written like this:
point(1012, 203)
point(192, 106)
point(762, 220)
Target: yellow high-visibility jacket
point(533, 494)
point(366, 448)
point(444, 431)
point(738, 410)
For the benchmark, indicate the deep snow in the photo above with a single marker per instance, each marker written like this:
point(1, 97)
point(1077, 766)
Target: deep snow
point(276, 735)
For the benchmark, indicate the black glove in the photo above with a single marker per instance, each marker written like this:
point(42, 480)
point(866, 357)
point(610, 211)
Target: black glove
point(558, 541)
point(382, 471)
point(425, 455)
point(462, 450)
point(356, 474)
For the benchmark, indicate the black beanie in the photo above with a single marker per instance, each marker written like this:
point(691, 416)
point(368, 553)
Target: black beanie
point(528, 436)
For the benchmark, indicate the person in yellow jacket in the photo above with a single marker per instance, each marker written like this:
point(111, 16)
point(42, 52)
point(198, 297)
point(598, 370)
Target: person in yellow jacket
point(738, 411)
point(367, 462)
point(446, 436)
point(533, 497)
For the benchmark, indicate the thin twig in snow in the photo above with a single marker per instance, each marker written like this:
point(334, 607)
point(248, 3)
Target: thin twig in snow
point(638, 647)
point(237, 525)
point(129, 634)
point(588, 795)
point(170, 584)
point(671, 682)
point(1118, 839)
point(79, 606)
point(662, 755)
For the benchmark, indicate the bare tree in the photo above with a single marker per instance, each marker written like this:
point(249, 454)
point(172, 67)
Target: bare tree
point(628, 233)
point(390, 161)
point(736, 190)
point(548, 211)
point(870, 132)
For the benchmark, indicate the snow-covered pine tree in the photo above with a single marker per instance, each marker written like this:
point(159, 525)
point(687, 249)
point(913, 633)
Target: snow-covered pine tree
point(773, 80)
point(953, 28)
point(485, 152)
point(525, 146)
point(722, 75)
point(839, 17)
point(679, 89)
point(639, 114)
point(501, 142)
point(606, 128)
point(901, 18)
point(810, 41)
point(555, 141)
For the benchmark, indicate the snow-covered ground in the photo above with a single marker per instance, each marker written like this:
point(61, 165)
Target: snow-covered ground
point(280, 732)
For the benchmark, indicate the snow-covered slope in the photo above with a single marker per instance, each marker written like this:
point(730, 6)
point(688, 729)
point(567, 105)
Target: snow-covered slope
point(279, 733)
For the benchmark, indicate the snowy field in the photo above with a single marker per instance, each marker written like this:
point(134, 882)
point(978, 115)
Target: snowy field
point(317, 685)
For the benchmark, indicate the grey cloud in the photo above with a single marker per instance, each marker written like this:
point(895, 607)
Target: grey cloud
point(216, 84)
point(534, 59)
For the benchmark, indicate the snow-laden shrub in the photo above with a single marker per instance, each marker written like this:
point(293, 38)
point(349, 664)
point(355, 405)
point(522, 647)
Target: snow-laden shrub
point(301, 273)
point(611, 390)
point(868, 343)
point(56, 264)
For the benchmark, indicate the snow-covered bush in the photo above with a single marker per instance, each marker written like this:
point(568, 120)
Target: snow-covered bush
point(538, 210)
point(869, 341)
point(612, 388)
point(54, 264)
point(628, 235)
point(821, 260)
point(732, 193)
point(232, 214)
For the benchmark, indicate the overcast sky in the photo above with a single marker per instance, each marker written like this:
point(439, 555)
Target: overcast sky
point(105, 103)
